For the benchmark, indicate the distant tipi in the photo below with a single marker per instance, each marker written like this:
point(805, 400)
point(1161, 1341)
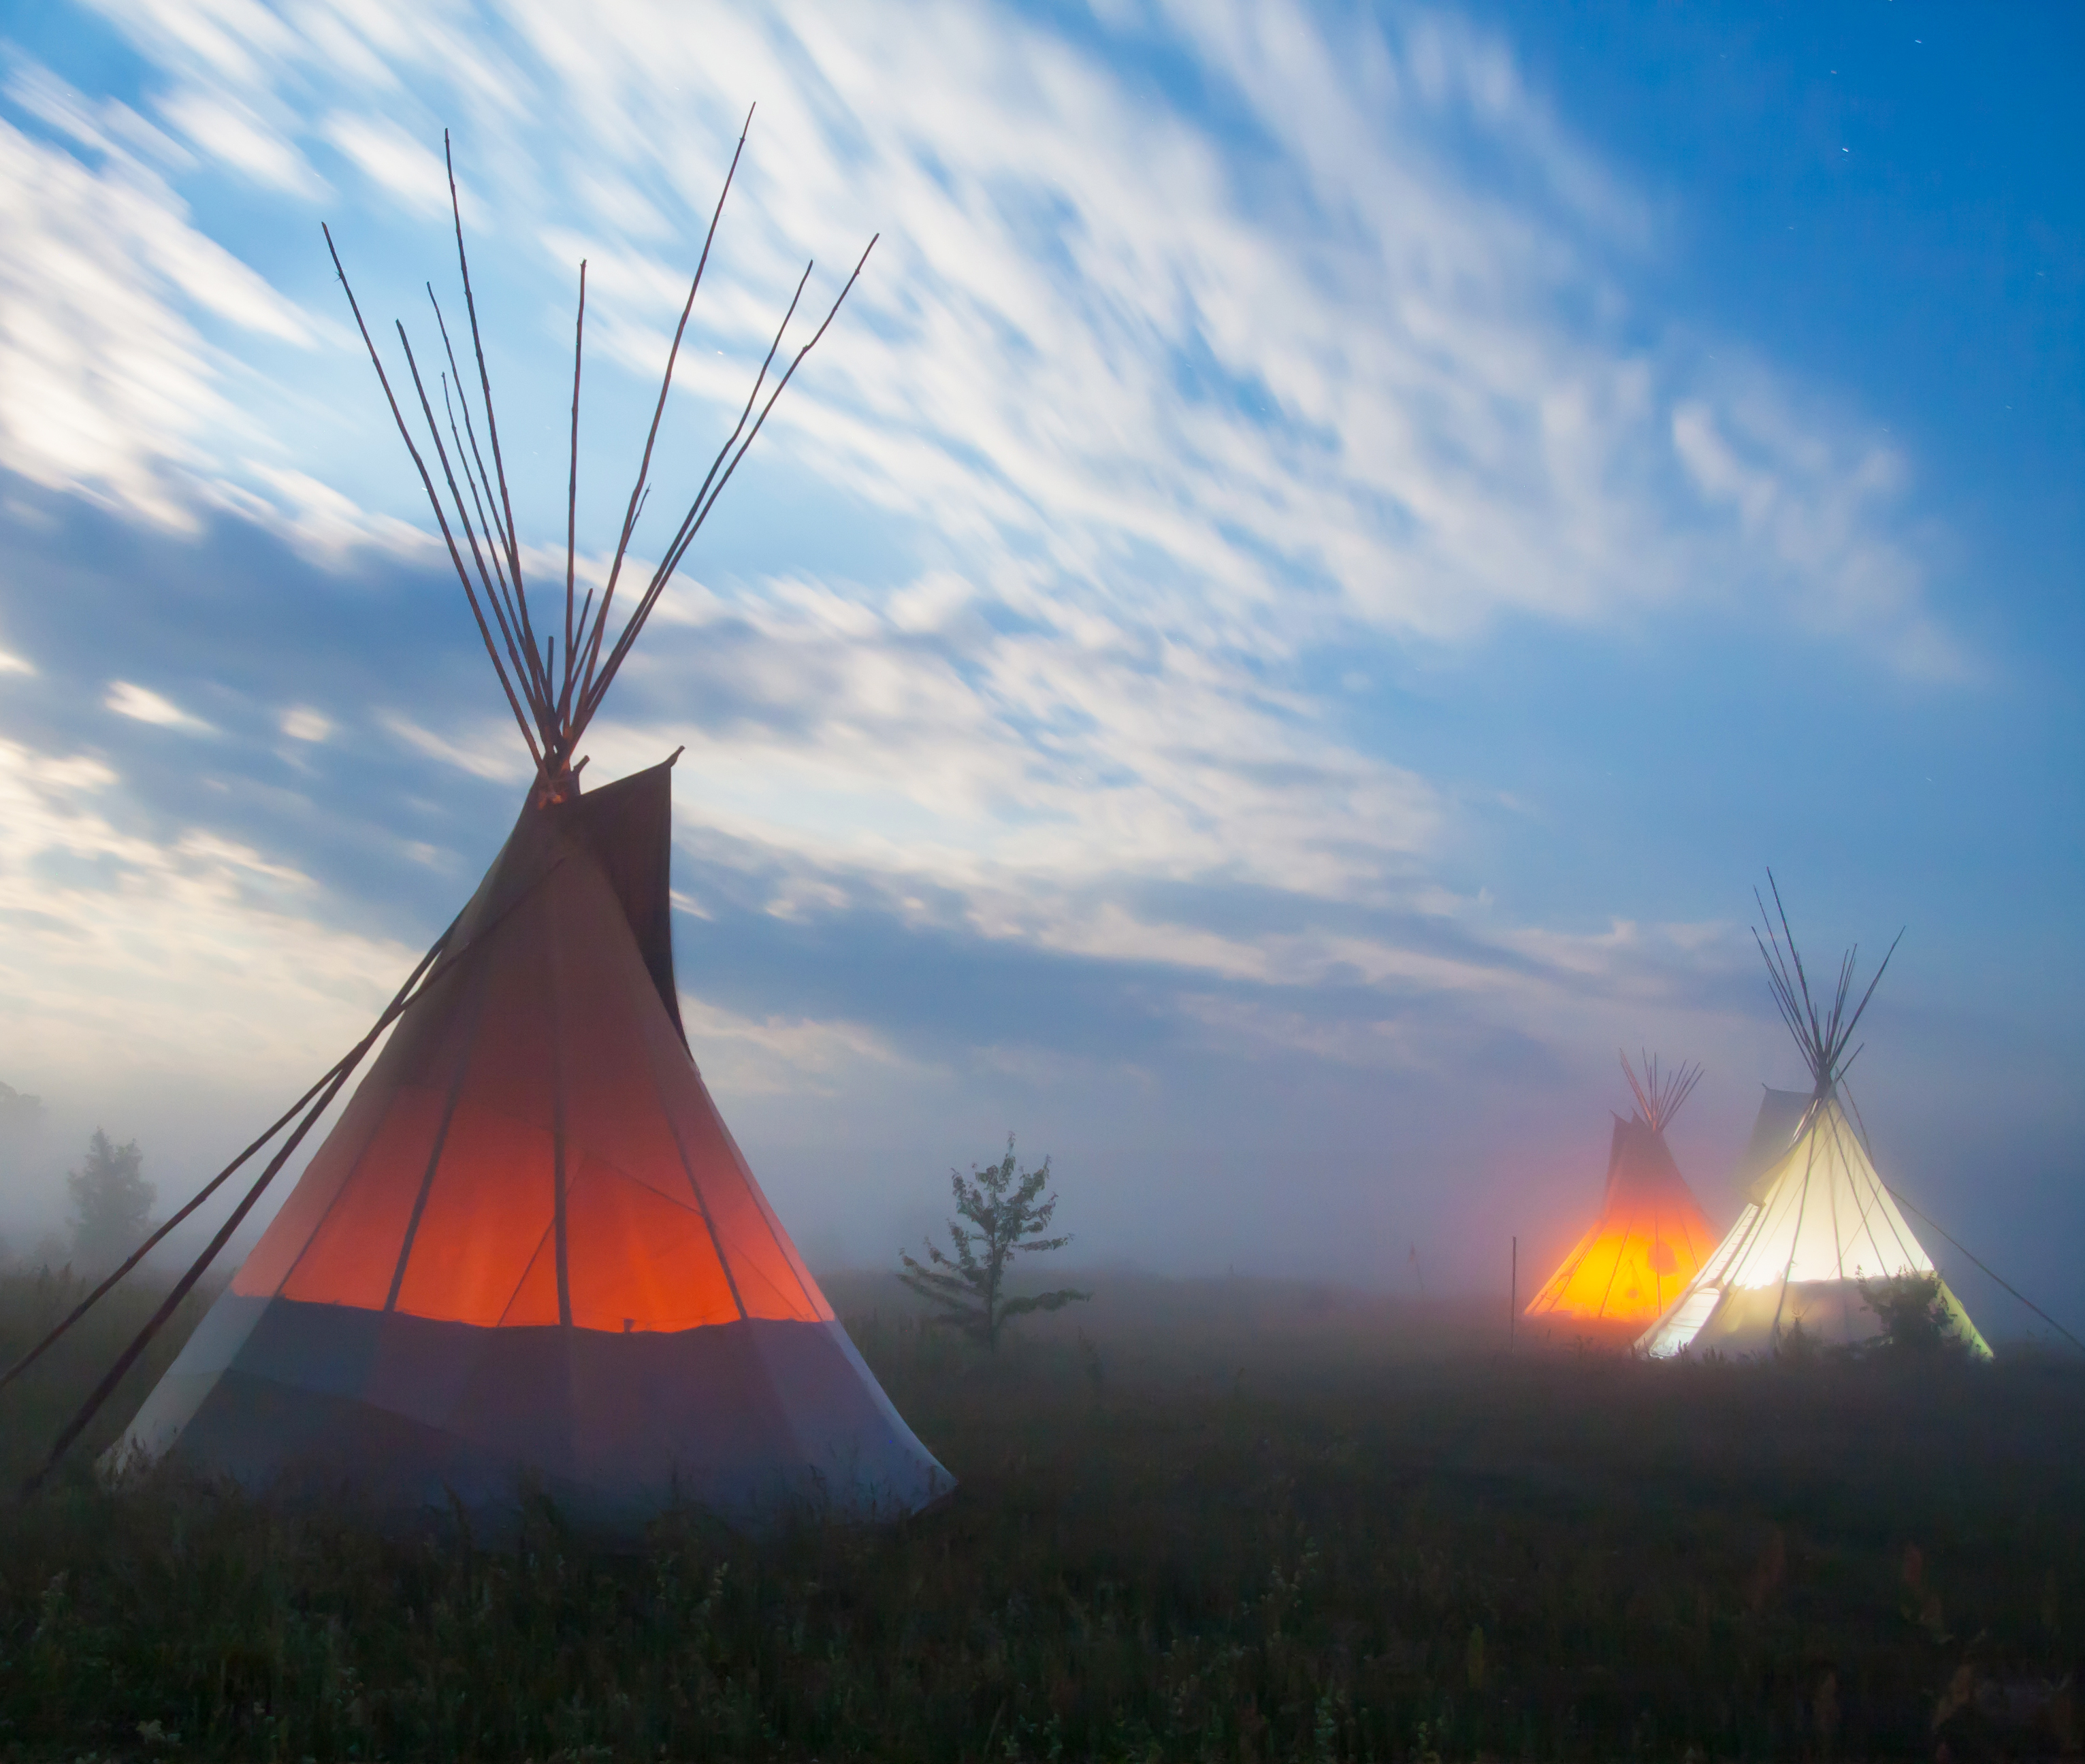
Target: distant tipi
point(1818, 1221)
point(1651, 1236)
point(530, 1248)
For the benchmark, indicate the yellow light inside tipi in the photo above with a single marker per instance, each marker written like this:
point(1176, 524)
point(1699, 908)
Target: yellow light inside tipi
point(1651, 1236)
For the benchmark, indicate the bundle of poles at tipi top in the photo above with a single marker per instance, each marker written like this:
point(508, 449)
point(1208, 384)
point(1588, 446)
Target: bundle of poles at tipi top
point(1822, 1034)
point(1659, 1095)
point(555, 680)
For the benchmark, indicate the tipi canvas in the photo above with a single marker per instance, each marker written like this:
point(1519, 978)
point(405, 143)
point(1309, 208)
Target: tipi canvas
point(529, 1251)
point(1651, 1236)
point(1818, 1220)
point(531, 1246)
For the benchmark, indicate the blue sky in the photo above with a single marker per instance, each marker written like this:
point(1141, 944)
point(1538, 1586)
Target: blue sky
point(1326, 556)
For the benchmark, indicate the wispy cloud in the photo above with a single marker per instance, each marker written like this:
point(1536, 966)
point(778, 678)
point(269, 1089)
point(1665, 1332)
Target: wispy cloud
point(402, 166)
point(322, 522)
point(105, 385)
point(142, 705)
point(240, 137)
point(1144, 407)
point(1808, 497)
point(781, 1055)
point(1247, 389)
point(489, 752)
point(162, 953)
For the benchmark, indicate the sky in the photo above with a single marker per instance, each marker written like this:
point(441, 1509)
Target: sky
point(1326, 555)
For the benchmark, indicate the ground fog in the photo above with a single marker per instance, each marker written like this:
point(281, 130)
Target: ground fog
point(1228, 1519)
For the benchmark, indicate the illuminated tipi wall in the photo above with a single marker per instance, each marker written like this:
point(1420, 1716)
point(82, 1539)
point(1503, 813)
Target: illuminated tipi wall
point(1650, 1236)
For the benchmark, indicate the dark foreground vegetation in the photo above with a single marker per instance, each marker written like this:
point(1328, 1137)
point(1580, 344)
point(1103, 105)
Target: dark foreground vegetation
point(1223, 1520)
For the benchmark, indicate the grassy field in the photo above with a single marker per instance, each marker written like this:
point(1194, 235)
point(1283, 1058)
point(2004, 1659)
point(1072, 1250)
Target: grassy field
point(1219, 1520)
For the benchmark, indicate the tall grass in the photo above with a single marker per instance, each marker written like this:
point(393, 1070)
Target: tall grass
point(38, 1403)
point(1219, 1521)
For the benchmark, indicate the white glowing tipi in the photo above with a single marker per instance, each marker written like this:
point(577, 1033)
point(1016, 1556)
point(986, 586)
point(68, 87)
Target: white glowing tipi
point(1818, 1220)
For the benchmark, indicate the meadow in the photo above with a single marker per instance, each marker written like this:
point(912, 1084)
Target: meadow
point(1216, 1520)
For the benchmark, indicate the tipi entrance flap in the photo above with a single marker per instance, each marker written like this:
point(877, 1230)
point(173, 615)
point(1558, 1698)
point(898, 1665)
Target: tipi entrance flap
point(1685, 1322)
point(628, 828)
point(536, 1303)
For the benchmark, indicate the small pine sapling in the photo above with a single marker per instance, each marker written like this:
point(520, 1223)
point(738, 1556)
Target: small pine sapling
point(1008, 1215)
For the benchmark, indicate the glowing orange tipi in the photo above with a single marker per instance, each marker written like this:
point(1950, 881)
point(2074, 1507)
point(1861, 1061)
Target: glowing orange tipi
point(530, 1249)
point(531, 1246)
point(1650, 1236)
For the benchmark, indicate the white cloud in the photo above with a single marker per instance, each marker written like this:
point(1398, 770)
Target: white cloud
point(108, 126)
point(102, 385)
point(403, 165)
point(1383, 395)
point(143, 706)
point(1805, 495)
point(105, 387)
point(241, 138)
point(126, 953)
point(15, 664)
point(324, 524)
point(492, 751)
point(909, 739)
point(300, 722)
point(749, 1056)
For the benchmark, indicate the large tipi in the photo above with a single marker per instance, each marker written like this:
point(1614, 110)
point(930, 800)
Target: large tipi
point(1818, 1220)
point(530, 1250)
point(1650, 1236)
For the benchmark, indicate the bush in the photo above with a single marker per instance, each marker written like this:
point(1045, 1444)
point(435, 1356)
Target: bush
point(1913, 1312)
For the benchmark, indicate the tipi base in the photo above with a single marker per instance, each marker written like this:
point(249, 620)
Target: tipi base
point(1760, 1322)
point(409, 1418)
